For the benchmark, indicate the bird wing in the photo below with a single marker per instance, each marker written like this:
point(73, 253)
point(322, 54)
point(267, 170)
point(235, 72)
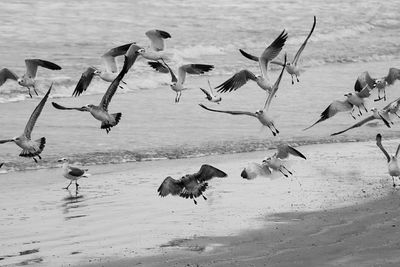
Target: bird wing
point(6, 141)
point(362, 80)
point(157, 39)
point(271, 52)
point(393, 75)
point(161, 69)
point(207, 172)
point(397, 151)
point(132, 54)
point(297, 56)
point(249, 56)
point(365, 92)
point(236, 81)
point(285, 150)
point(76, 172)
point(192, 69)
point(158, 66)
point(35, 114)
point(392, 105)
point(379, 144)
point(206, 93)
point(6, 74)
point(105, 101)
point(32, 65)
point(230, 112)
point(109, 57)
point(84, 81)
point(335, 107)
point(358, 124)
point(170, 186)
point(275, 87)
point(57, 106)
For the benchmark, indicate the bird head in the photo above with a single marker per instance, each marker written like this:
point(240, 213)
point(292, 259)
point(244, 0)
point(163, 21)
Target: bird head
point(259, 112)
point(267, 160)
point(62, 160)
point(97, 72)
point(348, 94)
point(16, 138)
point(21, 81)
point(140, 51)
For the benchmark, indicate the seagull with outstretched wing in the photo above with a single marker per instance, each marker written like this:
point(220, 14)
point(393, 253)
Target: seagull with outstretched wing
point(190, 185)
point(28, 79)
point(31, 148)
point(393, 165)
point(210, 96)
point(156, 50)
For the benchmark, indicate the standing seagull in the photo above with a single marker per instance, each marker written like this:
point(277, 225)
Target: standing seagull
point(291, 67)
point(31, 148)
point(28, 79)
point(100, 112)
point(177, 83)
point(72, 173)
point(262, 115)
point(240, 78)
point(108, 75)
point(155, 51)
point(190, 185)
point(393, 165)
point(210, 94)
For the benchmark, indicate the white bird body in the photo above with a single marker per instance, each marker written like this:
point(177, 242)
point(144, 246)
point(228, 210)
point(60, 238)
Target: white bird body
point(392, 163)
point(72, 173)
point(107, 76)
point(393, 167)
point(293, 69)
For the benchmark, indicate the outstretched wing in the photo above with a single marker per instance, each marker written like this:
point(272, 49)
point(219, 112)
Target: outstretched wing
point(57, 106)
point(297, 56)
point(285, 150)
point(358, 124)
point(209, 97)
point(393, 75)
point(6, 141)
point(157, 39)
point(230, 112)
point(236, 81)
point(6, 74)
point(249, 56)
point(158, 66)
point(109, 57)
point(363, 80)
point(379, 144)
point(392, 106)
point(192, 69)
point(170, 186)
point(32, 65)
point(271, 52)
point(84, 81)
point(207, 172)
point(335, 107)
point(35, 114)
point(275, 87)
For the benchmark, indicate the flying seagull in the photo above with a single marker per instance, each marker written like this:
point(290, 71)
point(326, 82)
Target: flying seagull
point(242, 77)
point(262, 115)
point(190, 185)
point(177, 83)
point(210, 94)
point(377, 115)
point(157, 46)
point(100, 112)
point(393, 165)
point(31, 148)
point(108, 74)
point(28, 79)
point(72, 173)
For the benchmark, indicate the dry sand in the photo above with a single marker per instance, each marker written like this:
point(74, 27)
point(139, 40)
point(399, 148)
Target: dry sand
point(337, 208)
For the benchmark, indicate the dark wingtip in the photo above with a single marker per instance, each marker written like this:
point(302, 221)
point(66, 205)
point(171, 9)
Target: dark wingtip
point(164, 34)
point(243, 174)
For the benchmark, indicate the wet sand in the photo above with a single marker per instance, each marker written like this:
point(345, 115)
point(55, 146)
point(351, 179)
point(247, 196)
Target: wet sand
point(335, 200)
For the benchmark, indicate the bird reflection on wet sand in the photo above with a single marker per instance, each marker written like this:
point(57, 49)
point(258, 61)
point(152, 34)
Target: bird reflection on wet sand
point(72, 204)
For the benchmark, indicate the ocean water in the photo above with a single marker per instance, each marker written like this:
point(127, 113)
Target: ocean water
point(349, 38)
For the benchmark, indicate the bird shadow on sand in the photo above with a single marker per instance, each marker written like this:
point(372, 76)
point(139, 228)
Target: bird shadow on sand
point(73, 204)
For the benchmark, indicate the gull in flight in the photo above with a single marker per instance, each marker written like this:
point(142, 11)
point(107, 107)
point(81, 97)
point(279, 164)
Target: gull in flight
point(190, 185)
point(31, 148)
point(291, 67)
point(377, 115)
point(72, 173)
point(262, 115)
point(108, 75)
point(155, 51)
point(210, 94)
point(356, 99)
point(28, 79)
point(380, 83)
point(393, 165)
point(100, 112)
point(177, 83)
point(242, 77)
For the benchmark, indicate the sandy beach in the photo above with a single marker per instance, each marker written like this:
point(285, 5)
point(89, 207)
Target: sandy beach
point(117, 218)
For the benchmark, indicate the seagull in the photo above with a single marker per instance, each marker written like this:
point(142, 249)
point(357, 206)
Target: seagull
point(108, 75)
point(100, 112)
point(210, 94)
point(177, 83)
point(157, 38)
point(253, 170)
point(72, 173)
point(393, 165)
point(389, 79)
point(31, 148)
point(276, 161)
point(356, 99)
point(190, 185)
point(262, 115)
point(291, 67)
point(242, 77)
point(377, 114)
point(28, 79)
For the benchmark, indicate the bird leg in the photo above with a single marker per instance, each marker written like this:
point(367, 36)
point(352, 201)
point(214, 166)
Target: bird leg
point(39, 157)
point(34, 89)
point(379, 96)
point(297, 78)
point(394, 184)
point(284, 174)
point(272, 131)
point(286, 169)
point(68, 185)
point(195, 202)
point(364, 107)
point(396, 114)
point(384, 94)
point(123, 82)
point(204, 197)
point(29, 91)
point(351, 113)
point(34, 159)
point(292, 78)
point(359, 111)
point(76, 185)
